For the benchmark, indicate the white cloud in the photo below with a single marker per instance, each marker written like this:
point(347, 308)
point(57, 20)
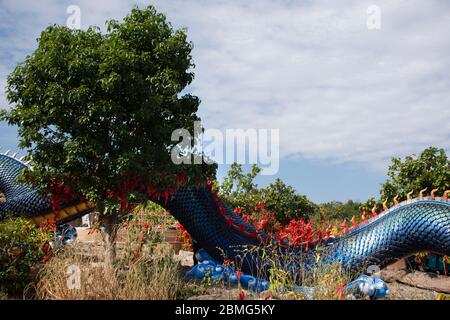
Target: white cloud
point(335, 89)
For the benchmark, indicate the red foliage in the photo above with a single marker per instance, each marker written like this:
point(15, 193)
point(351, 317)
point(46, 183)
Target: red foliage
point(184, 236)
point(340, 292)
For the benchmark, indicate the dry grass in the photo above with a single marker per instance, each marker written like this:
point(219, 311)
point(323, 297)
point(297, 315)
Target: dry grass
point(72, 275)
point(145, 269)
point(329, 281)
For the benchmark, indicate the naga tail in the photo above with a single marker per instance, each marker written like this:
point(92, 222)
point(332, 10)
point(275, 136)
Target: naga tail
point(410, 227)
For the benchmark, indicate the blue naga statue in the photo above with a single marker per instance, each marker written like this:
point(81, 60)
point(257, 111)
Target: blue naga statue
point(421, 224)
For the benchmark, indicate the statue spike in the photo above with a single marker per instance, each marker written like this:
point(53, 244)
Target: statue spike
point(422, 192)
point(374, 209)
point(396, 200)
point(385, 207)
point(446, 193)
point(433, 192)
point(409, 195)
point(7, 152)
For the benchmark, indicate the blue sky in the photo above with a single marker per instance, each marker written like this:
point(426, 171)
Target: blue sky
point(345, 98)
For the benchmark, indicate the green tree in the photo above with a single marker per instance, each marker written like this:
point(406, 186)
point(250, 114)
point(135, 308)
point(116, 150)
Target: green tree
point(96, 111)
point(283, 200)
point(430, 169)
point(239, 189)
point(337, 211)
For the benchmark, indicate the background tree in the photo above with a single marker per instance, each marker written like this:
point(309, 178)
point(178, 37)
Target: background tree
point(239, 190)
point(337, 211)
point(283, 200)
point(96, 111)
point(430, 169)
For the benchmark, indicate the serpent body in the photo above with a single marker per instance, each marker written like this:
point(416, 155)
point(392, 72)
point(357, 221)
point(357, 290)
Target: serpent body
point(412, 226)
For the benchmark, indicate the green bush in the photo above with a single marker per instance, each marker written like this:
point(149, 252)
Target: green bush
point(21, 250)
point(283, 200)
point(240, 191)
point(337, 211)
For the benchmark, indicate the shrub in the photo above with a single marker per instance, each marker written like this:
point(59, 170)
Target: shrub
point(337, 211)
point(21, 250)
point(240, 191)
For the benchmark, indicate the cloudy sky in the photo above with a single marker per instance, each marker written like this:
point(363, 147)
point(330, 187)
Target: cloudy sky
point(345, 97)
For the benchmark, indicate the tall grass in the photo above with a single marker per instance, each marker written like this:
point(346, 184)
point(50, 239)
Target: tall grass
point(154, 277)
point(290, 276)
point(145, 268)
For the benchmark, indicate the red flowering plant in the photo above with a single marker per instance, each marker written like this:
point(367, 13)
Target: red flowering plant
point(300, 231)
point(184, 236)
point(261, 218)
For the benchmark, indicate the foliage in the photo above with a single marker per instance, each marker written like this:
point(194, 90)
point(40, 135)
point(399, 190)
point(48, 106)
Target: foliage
point(285, 202)
point(146, 224)
point(96, 111)
point(430, 169)
point(153, 214)
point(21, 250)
point(240, 191)
point(336, 210)
point(185, 237)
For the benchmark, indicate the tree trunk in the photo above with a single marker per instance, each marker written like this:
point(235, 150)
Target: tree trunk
point(108, 228)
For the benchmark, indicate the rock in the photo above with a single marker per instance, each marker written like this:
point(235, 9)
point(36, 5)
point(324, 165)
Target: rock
point(186, 258)
point(425, 280)
point(398, 265)
point(399, 291)
point(394, 271)
point(398, 272)
point(2, 198)
point(86, 235)
point(267, 295)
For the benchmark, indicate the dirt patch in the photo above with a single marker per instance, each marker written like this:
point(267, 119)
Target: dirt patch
point(226, 294)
